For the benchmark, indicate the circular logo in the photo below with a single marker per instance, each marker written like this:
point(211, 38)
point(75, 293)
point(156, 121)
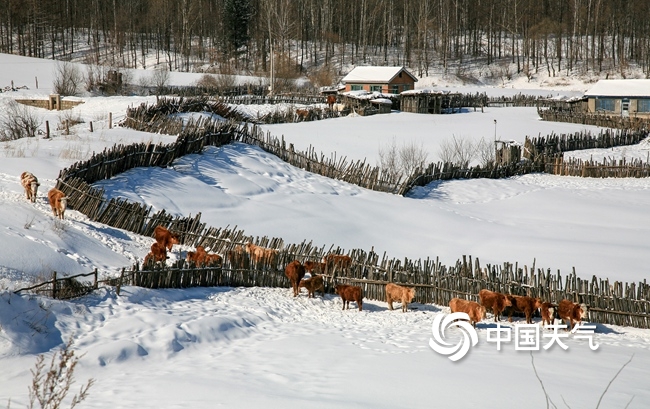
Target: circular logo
point(441, 346)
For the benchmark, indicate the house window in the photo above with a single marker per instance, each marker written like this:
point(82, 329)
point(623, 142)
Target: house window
point(643, 105)
point(393, 89)
point(356, 87)
point(605, 104)
point(406, 87)
point(375, 88)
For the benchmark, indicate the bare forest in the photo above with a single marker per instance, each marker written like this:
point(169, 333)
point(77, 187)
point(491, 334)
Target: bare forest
point(559, 37)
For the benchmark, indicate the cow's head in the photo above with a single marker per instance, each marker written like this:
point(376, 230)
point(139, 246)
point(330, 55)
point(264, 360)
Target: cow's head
point(583, 310)
point(410, 293)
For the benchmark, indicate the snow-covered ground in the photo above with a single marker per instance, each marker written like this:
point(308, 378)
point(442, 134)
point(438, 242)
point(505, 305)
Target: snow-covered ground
point(255, 347)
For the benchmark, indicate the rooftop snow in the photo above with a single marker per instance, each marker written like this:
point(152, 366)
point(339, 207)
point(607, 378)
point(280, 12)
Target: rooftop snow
point(620, 88)
point(374, 74)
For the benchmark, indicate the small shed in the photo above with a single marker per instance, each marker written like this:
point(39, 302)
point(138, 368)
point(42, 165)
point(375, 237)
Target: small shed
point(387, 80)
point(428, 101)
point(562, 103)
point(369, 103)
point(620, 97)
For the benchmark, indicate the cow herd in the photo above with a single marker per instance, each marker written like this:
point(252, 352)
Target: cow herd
point(57, 199)
point(499, 303)
point(295, 271)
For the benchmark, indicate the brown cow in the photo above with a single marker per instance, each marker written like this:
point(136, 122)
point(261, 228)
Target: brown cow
point(495, 301)
point(313, 267)
point(523, 304)
point(331, 100)
point(261, 254)
point(475, 311)
point(399, 293)
point(350, 293)
point(548, 313)
point(158, 253)
point(569, 312)
point(30, 184)
point(295, 272)
point(337, 261)
point(164, 237)
point(201, 257)
point(302, 114)
point(312, 285)
point(236, 257)
point(58, 202)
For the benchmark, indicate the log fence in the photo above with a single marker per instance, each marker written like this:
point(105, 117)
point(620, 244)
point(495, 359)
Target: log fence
point(611, 302)
point(634, 123)
point(615, 303)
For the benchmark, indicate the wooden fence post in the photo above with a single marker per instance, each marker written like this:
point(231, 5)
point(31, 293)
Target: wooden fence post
point(47, 129)
point(96, 286)
point(110, 120)
point(54, 284)
point(119, 283)
point(91, 126)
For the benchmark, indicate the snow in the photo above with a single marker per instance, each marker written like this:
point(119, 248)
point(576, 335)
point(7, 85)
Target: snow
point(620, 88)
point(260, 347)
point(373, 74)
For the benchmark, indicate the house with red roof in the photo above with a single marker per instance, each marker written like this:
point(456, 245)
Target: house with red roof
point(385, 80)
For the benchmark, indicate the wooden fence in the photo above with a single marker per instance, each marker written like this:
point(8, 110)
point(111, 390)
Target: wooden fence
point(616, 303)
point(557, 143)
point(612, 303)
point(607, 121)
point(608, 168)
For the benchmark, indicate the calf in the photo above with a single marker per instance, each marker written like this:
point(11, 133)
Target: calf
point(30, 184)
point(158, 253)
point(295, 272)
point(571, 312)
point(524, 304)
point(164, 237)
point(312, 285)
point(350, 293)
point(548, 313)
point(399, 293)
point(58, 202)
point(495, 301)
point(475, 311)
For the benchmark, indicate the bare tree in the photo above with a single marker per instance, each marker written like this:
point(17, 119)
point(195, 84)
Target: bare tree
point(485, 152)
point(412, 157)
point(389, 159)
point(18, 121)
point(67, 79)
point(402, 160)
point(459, 151)
point(160, 79)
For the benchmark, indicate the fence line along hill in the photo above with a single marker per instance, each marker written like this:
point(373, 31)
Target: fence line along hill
point(610, 302)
